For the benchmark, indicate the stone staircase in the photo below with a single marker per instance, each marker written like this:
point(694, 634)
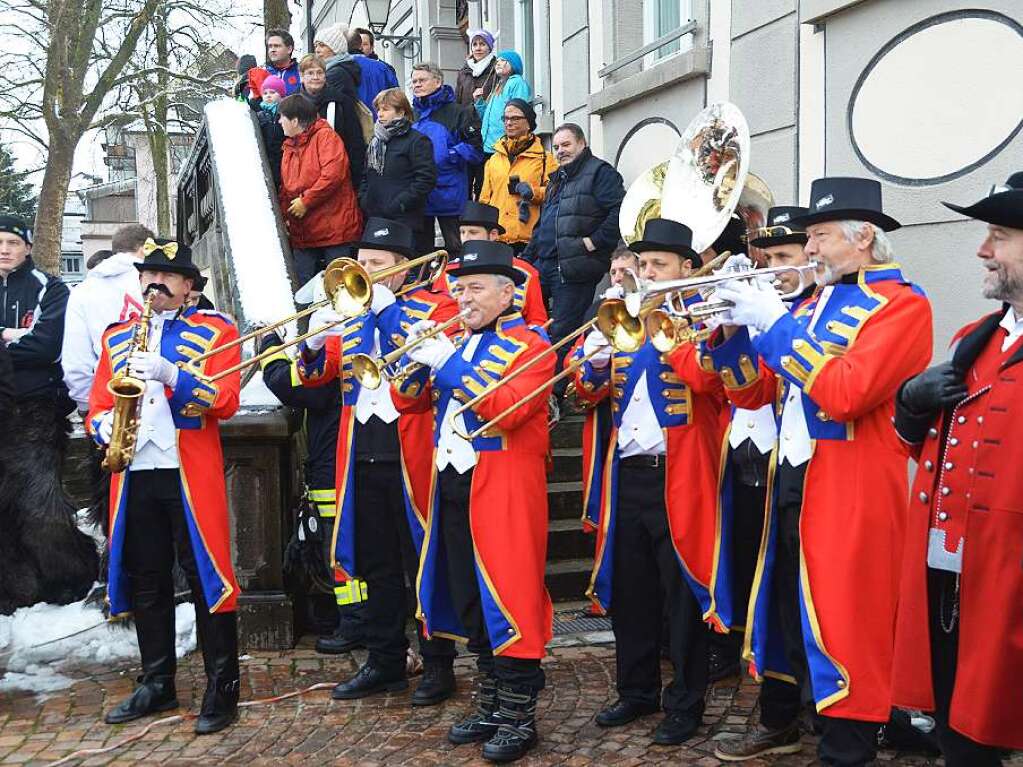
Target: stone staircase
point(569, 549)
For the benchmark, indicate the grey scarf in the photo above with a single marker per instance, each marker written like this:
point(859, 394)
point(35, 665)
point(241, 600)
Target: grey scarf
point(382, 133)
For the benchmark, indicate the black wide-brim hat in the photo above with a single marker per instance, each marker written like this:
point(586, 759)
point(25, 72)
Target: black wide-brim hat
point(480, 214)
point(163, 255)
point(840, 198)
point(665, 234)
point(487, 257)
point(385, 234)
point(1004, 207)
point(783, 215)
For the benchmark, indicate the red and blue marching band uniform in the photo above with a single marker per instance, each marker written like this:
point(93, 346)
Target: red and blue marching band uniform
point(528, 299)
point(658, 521)
point(822, 604)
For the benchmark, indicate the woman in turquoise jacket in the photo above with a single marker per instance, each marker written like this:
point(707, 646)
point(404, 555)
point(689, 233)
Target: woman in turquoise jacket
point(510, 85)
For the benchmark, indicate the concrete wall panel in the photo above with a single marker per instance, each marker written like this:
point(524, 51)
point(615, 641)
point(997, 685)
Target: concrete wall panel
point(748, 15)
point(576, 67)
point(763, 75)
point(773, 158)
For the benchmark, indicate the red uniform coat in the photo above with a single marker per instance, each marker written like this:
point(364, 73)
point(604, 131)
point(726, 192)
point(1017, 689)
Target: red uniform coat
point(508, 499)
point(687, 402)
point(847, 349)
point(314, 166)
point(978, 460)
point(197, 408)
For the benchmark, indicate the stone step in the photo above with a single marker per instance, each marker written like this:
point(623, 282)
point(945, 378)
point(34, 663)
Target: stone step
point(565, 500)
point(566, 540)
point(568, 432)
point(566, 464)
point(567, 579)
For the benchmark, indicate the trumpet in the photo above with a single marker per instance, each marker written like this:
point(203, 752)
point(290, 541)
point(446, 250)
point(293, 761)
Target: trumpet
point(613, 320)
point(349, 289)
point(372, 372)
point(639, 294)
point(666, 330)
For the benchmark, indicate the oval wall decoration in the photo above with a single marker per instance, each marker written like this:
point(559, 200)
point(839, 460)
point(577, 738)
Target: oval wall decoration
point(648, 143)
point(941, 99)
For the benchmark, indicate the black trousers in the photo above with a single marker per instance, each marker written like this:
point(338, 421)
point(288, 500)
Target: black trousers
point(647, 584)
point(156, 532)
point(843, 741)
point(385, 556)
point(449, 231)
point(958, 750)
point(308, 261)
point(748, 527)
point(465, 591)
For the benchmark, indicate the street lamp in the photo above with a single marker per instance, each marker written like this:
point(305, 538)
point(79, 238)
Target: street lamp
point(377, 11)
point(377, 14)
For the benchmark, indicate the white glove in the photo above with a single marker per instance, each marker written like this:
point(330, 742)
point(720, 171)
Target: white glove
point(735, 264)
point(150, 366)
point(615, 291)
point(320, 318)
point(105, 428)
point(417, 329)
point(753, 304)
point(382, 298)
point(598, 343)
point(433, 352)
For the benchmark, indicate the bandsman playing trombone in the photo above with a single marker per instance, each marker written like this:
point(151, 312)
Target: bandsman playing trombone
point(378, 526)
point(481, 575)
point(823, 604)
point(658, 526)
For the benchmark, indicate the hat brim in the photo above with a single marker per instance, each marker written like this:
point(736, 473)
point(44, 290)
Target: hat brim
point(486, 224)
point(1003, 209)
point(184, 270)
point(786, 239)
point(884, 222)
point(643, 246)
point(407, 252)
point(515, 275)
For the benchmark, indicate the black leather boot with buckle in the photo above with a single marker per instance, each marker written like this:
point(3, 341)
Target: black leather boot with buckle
point(516, 731)
point(481, 723)
point(219, 639)
point(155, 628)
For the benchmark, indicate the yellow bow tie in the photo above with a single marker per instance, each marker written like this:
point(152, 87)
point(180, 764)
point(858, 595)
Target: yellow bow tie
point(170, 249)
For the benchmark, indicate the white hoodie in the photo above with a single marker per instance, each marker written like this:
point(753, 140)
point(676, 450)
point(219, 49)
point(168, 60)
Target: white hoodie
point(109, 293)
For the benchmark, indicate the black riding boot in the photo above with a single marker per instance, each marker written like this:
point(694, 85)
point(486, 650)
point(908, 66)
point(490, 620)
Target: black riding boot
point(516, 733)
point(154, 626)
point(218, 635)
point(482, 722)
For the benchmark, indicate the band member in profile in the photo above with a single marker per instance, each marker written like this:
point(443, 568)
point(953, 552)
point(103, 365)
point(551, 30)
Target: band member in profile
point(481, 576)
point(958, 651)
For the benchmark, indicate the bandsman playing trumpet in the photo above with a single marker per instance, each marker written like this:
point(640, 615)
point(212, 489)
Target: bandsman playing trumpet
point(823, 606)
point(481, 575)
point(658, 516)
point(378, 524)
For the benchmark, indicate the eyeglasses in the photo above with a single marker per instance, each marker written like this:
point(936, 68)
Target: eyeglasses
point(512, 119)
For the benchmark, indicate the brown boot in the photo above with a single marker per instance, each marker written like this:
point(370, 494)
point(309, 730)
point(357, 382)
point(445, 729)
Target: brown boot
point(760, 741)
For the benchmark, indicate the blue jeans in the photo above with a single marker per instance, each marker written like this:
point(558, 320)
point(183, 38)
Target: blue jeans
point(567, 305)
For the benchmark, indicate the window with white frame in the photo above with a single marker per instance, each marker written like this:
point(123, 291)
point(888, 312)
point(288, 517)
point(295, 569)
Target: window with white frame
point(662, 17)
point(524, 33)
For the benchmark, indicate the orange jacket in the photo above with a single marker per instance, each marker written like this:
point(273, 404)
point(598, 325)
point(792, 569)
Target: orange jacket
point(534, 166)
point(315, 167)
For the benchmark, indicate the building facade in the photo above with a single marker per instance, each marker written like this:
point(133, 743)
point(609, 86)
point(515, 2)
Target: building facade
point(915, 93)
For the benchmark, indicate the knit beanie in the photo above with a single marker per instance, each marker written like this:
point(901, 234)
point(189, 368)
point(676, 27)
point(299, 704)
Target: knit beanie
point(527, 111)
point(334, 37)
point(512, 58)
point(487, 37)
point(274, 83)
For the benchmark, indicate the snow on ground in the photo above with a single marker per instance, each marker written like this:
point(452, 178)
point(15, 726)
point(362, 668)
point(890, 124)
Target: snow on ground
point(31, 660)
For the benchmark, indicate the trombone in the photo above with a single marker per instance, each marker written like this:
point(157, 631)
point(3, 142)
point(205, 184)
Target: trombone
point(613, 320)
point(349, 289)
point(372, 372)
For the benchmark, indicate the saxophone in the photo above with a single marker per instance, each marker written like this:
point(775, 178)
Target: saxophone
point(128, 393)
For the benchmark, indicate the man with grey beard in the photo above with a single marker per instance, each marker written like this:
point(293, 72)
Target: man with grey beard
point(958, 651)
point(823, 608)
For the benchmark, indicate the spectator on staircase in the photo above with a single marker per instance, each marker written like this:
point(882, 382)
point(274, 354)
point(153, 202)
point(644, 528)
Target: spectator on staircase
point(376, 75)
point(400, 171)
point(510, 85)
point(273, 90)
point(343, 72)
point(279, 61)
point(476, 81)
point(339, 108)
point(316, 194)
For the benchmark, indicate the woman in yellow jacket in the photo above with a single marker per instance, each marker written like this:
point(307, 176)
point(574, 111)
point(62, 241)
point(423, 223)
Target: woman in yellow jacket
point(515, 177)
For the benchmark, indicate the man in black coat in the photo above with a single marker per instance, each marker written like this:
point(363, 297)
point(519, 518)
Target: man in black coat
point(49, 559)
point(578, 230)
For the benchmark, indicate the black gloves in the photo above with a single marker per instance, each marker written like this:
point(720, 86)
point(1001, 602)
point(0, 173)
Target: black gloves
point(524, 190)
point(938, 388)
point(523, 211)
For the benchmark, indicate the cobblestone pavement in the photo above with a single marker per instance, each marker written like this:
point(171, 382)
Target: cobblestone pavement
point(382, 730)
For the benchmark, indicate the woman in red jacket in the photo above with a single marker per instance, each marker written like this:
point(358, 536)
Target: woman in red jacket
point(316, 196)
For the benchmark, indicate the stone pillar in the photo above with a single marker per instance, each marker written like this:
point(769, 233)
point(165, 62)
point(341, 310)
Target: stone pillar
point(259, 450)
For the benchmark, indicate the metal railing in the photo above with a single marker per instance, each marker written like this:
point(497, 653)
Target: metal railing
point(639, 53)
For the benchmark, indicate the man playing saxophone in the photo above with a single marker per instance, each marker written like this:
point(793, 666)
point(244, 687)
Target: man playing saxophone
point(171, 499)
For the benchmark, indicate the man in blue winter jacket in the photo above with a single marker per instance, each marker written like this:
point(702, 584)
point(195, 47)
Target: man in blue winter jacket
point(376, 75)
point(454, 130)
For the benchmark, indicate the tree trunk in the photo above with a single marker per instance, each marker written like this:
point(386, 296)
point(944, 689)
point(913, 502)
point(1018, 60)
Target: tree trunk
point(53, 193)
point(276, 14)
point(158, 134)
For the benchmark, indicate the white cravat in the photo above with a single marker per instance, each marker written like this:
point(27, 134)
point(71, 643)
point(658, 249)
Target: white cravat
point(640, 432)
point(157, 445)
point(375, 402)
point(1013, 326)
point(452, 449)
point(757, 425)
